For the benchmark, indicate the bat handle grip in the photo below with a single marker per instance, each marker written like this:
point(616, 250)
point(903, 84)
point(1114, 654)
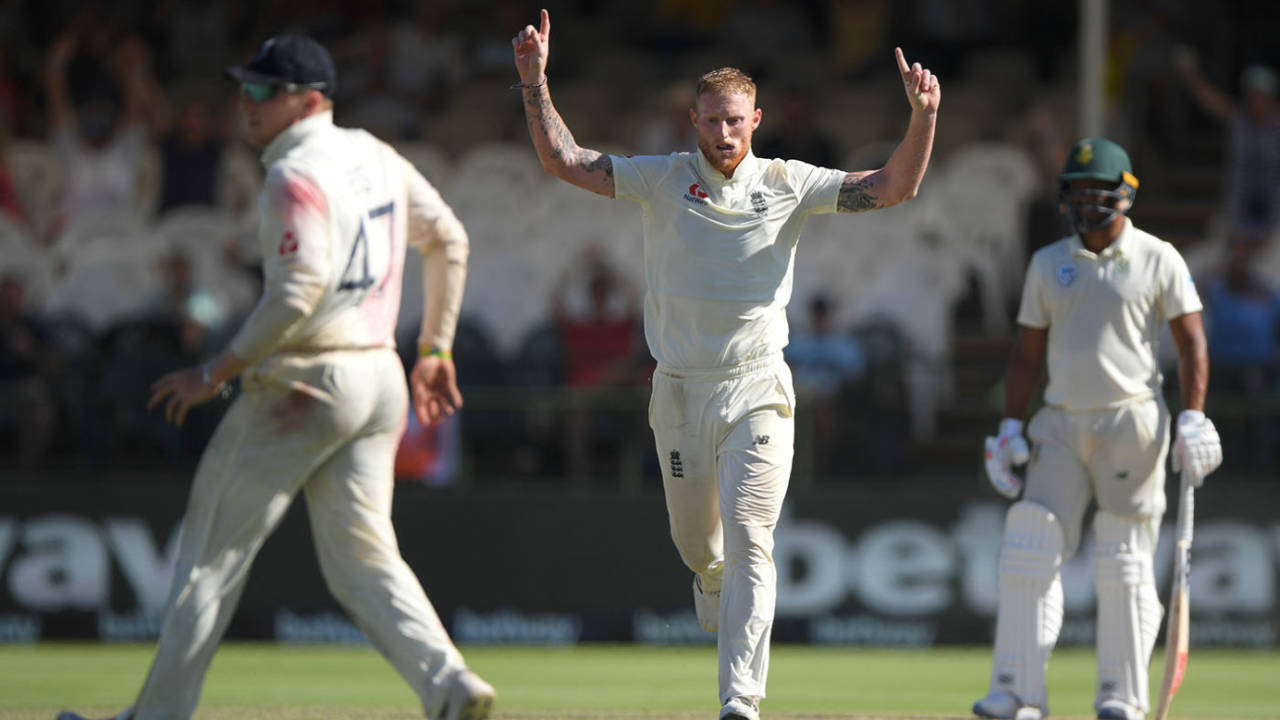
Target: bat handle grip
point(1186, 511)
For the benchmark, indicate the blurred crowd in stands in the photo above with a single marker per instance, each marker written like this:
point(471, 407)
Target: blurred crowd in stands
point(128, 200)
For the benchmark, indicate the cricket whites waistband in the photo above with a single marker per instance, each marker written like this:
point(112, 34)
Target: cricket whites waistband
point(745, 367)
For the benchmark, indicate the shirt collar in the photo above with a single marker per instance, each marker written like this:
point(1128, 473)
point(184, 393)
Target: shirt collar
point(1119, 248)
point(747, 169)
point(294, 134)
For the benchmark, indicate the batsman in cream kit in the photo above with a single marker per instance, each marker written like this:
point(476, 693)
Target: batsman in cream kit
point(324, 401)
point(1093, 308)
point(721, 227)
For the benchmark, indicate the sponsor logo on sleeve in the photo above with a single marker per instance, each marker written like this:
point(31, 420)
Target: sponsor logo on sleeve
point(288, 244)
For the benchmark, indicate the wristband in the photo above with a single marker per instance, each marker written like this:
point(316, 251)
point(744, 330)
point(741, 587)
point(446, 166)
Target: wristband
point(435, 352)
point(522, 85)
point(222, 390)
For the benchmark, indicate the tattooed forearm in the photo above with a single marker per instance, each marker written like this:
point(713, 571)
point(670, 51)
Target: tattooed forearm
point(549, 132)
point(555, 144)
point(855, 195)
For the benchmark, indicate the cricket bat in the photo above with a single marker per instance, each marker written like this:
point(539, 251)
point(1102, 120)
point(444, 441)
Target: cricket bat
point(1179, 630)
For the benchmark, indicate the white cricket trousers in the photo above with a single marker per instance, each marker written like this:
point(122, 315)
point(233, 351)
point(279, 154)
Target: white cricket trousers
point(1114, 457)
point(328, 424)
point(725, 443)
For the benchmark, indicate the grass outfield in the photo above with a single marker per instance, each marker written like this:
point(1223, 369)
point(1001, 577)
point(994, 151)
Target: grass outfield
point(291, 683)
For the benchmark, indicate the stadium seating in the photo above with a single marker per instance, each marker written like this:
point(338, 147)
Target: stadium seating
point(908, 266)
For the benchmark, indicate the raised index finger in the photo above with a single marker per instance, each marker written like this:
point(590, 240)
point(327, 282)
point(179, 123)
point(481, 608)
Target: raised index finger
point(545, 32)
point(902, 61)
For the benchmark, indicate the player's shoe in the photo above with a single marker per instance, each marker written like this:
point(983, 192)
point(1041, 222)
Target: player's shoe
point(470, 698)
point(707, 605)
point(740, 708)
point(1117, 710)
point(1001, 705)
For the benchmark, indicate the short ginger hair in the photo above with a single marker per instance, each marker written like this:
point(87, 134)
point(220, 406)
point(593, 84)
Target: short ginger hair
point(726, 81)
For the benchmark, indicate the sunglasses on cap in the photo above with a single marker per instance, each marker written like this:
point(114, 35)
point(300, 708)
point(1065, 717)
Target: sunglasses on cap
point(261, 92)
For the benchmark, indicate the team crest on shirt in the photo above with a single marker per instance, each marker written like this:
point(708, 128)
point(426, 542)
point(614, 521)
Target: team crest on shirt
point(758, 204)
point(1066, 275)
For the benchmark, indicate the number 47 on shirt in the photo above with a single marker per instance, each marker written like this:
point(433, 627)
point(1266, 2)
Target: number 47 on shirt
point(358, 277)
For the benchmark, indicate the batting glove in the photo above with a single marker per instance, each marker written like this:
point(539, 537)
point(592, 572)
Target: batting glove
point(1004, 451)
point(1198, 450)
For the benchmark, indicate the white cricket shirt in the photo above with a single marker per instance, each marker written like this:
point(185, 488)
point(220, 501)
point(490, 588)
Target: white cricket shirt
point(99, 180)
point(719, 252)
point(1104, 313)
point(338, 207)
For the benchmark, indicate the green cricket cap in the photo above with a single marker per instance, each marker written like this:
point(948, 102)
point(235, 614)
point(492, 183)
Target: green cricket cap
point(1098, 159)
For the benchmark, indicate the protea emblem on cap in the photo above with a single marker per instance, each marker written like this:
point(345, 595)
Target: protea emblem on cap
point(1084, 155)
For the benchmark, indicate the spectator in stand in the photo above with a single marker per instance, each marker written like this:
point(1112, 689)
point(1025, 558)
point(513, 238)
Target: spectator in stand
point(10, 203)
point(1042, 134)
point(427, 55)
point(196, 315)
point(824, 361)
point(373, 99)
point(671, 130)
point(178, 326)
point(763, 32)
point(99, 124)
point(799, 137)
point(1243, 318)
point(11, 107)
point(28, 412)
point(191, 155)
point(12, 102)
point(600, 338)
point(402, 68)
point(1253, 168)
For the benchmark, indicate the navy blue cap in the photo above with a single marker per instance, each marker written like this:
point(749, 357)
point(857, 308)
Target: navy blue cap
point(290, 60)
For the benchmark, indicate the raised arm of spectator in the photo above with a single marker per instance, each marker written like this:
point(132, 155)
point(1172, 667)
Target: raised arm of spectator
point(560, 154)
point(145, 103)
point(900, 178)
point(1211, 99)
point(61, 111)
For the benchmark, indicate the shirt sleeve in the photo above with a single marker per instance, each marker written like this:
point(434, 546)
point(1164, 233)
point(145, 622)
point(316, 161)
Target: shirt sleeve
point(295, 262)
point(436, 233)
point(635, 177)
point(1033, 312)
point(817, 188)
point(431, 220)
point(1178, 295)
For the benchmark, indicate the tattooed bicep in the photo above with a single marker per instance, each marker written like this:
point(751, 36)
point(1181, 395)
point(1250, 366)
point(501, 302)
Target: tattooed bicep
point(602, 162)
point(858, 193)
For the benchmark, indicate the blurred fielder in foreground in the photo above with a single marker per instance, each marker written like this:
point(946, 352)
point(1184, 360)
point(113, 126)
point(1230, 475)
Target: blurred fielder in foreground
point(324, 400)
point(720, 228)
point(1093, 306)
